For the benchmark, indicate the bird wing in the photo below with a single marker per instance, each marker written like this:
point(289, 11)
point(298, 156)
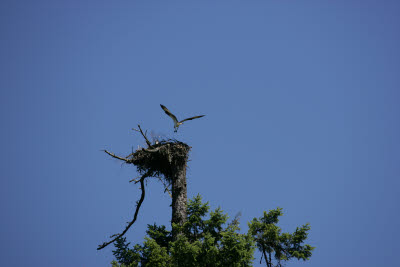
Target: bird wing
point(169, 114)
point(192, 118)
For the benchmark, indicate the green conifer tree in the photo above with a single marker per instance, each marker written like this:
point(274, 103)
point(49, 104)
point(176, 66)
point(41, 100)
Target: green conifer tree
point(276, 246)
point(208, 240)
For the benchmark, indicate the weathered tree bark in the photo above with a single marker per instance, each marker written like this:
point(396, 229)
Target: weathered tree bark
point(179, 196)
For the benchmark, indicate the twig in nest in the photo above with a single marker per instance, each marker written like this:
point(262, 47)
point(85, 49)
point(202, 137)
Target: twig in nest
point(144, 135)
point(139, 203)
point(153, 150)
point(133, 152)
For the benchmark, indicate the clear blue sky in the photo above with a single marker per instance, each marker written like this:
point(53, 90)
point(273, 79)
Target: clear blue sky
point(302, 105)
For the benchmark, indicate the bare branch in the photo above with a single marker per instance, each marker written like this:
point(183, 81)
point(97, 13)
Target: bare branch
point(131, 154)
point(143, 134)
point(139, 203)
point(165, 186)
point(136, 180)
point(115, 156)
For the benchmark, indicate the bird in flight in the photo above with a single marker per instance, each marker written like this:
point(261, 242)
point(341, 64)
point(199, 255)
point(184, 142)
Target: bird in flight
point(176, 122)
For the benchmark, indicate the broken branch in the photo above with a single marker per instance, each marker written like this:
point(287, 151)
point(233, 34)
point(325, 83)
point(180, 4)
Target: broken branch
point(115, 156)
point(144, 135)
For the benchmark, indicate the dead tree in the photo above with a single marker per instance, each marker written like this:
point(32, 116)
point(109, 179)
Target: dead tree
point(166, 160)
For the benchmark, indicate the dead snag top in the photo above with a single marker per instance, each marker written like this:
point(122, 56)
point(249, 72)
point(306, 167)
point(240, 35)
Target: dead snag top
point(163, 158)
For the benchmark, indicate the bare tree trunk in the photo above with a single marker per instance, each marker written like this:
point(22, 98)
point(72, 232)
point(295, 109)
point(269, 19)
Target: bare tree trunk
point(179, 196)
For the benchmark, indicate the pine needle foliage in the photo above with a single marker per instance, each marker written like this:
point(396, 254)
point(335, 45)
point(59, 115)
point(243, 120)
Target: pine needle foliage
point(275, 246)
point(204, 242)
point(207, 239)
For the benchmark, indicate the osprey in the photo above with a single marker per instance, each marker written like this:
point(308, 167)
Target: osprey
point(176, 122)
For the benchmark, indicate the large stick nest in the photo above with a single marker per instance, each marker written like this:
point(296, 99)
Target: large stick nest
point(162, 158)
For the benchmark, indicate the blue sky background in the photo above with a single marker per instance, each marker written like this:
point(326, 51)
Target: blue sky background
point(302, 105)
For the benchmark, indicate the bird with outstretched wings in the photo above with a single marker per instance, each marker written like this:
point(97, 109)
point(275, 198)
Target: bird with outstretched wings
point(176, 122)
